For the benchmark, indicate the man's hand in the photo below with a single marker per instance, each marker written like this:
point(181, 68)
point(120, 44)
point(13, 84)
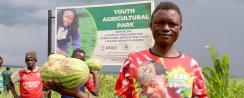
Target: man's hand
point(58, 88)
point(94, 72)
point(95, 75)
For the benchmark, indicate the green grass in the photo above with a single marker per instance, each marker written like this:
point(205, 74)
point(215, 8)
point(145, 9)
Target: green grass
point(107, 82)
point(236, 88)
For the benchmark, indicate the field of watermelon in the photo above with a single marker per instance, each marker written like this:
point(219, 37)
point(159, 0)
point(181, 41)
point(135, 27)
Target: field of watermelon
point(107, 82)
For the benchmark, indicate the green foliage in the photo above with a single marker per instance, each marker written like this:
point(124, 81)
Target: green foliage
point(94, 64)
point(236, 88)
point(88, 33)
point(107, 84)
point(218, 76)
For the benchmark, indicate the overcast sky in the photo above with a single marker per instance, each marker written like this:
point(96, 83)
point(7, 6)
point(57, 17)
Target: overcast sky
point(23, 27)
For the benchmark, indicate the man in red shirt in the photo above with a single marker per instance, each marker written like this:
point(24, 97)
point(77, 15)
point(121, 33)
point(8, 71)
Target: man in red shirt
point(31, 84)
point(92, 84)
point(185, 79)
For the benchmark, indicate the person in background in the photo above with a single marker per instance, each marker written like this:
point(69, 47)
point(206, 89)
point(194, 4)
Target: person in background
point(92, 83)
point(152, 79)
point(185, 79)
point(67, 30)
point(30, 81)
point(6, 79)
point(1, 78)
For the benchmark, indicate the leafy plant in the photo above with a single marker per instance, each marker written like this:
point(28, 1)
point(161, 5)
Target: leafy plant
point(218, 76)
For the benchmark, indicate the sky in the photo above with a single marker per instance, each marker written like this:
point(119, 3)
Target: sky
point(220, 23)
point(23, 26)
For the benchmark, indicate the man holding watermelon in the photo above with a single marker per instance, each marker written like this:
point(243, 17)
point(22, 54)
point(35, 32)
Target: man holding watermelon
point(79, 91)
point(92, 83)
point(185, 79)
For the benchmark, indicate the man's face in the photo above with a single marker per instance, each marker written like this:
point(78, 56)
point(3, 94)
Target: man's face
point(156, 88)
point(80, 56)
point(68, 18)
point(30, 62)
point(165, 26)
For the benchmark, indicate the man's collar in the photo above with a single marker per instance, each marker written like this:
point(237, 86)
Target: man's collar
point(34, 70)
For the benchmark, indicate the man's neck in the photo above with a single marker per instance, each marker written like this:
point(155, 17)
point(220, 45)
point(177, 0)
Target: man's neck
point(165, 51)
point(32, 69)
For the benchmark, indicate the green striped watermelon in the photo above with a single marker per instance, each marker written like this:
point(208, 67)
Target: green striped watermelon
point(57, 57)
point(94, 64)
point(69, 72)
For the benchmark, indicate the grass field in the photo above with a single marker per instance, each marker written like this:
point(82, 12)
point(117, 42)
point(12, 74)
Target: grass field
point(107, 82)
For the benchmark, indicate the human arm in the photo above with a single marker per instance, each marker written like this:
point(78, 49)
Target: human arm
point(12, 89)
point(67, 92)
point(76, 40)
point(199, 86)
point(125, 86)
point(14, 78)
point(93, 83)
point(46, 92)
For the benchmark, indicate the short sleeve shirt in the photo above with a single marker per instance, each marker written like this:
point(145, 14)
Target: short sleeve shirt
point(185, 79)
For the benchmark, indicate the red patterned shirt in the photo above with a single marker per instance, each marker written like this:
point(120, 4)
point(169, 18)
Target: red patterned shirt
point(184, 75)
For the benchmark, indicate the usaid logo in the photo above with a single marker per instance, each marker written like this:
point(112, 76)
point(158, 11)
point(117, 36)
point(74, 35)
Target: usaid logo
point(112, 47)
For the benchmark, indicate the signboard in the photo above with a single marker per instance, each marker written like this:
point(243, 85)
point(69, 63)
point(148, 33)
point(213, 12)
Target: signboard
point(106, 32)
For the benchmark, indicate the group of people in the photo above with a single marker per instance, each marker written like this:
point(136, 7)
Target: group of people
point(160, 71)
point(31, 84)
point(4, 78)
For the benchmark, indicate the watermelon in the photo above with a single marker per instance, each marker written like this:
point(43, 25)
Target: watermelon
point(57, 57)
point(94, 64)
point(69, 72)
